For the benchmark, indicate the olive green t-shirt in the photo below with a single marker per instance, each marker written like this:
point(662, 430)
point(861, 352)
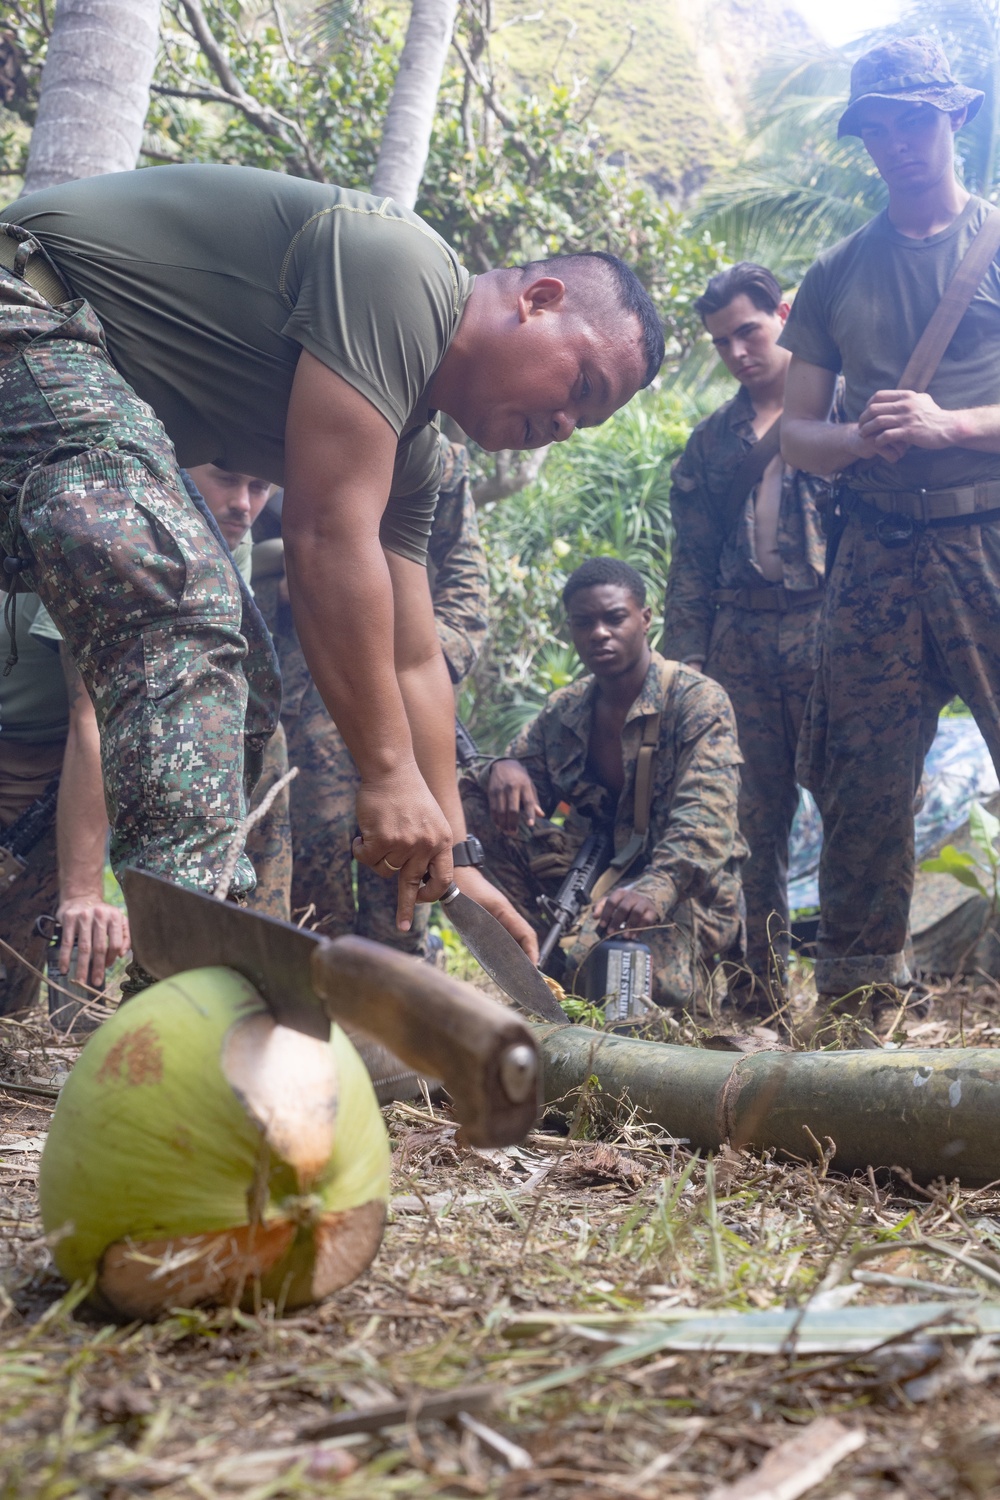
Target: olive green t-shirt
point(861, 309)
point(210, 280)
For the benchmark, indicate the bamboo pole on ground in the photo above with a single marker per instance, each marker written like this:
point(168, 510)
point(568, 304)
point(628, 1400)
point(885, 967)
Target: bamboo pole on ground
point(934, 1113)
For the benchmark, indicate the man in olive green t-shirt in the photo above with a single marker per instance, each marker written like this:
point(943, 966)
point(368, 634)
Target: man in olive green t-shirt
point(307, 334)
point(911, 616)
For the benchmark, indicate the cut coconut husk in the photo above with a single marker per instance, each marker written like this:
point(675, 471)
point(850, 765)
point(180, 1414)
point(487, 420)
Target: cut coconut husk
point(202, 1153)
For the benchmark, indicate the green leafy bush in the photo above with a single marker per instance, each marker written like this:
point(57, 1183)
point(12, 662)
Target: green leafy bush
point(605, 493)
point(981, 871)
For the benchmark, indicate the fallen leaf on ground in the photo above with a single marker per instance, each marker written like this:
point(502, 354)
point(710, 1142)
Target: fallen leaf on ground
point(601, 1163)
point(797, 1465)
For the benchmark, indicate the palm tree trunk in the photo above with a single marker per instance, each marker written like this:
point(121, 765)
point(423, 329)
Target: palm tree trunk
point(406, 137)
point(95, 90)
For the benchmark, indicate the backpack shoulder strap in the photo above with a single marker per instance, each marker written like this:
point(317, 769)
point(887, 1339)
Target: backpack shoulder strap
point(932, 343)
point(646, 760)
point(645, 766)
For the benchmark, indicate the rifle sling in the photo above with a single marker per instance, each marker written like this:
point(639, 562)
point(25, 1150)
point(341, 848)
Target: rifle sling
point(922, 364)
point(21, 836)
point(645, 766)
point(921, 367)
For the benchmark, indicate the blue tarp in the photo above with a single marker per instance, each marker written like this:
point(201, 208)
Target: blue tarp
point(958, 771)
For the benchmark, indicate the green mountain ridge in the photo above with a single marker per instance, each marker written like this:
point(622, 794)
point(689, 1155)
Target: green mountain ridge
point(671, 103)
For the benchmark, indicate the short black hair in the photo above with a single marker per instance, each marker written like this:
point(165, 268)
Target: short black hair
point(599, 570)
point(745, 278)
point(630, 295)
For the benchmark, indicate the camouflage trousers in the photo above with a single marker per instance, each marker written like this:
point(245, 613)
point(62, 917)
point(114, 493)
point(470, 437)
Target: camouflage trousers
point(534, 862)
point(324, 823)
point(345, 897)
point(35, 892)
point(766, 661)
point(903, 630)
point(269, 842)
point(149, 604)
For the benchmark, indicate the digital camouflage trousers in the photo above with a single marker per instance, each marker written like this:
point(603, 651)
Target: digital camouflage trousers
point(324, 823)
point(345, 897)
point(269, 842)
point(766, 661)
point(904, 630)
point(35, 893)
point(685, 948)
point(149, 604)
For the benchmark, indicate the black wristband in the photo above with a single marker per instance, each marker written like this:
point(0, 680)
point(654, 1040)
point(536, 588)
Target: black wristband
point(468, 852)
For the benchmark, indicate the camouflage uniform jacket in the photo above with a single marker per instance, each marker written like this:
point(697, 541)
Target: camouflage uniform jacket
point(707, 555)
point(460, 584)
point(694, 840)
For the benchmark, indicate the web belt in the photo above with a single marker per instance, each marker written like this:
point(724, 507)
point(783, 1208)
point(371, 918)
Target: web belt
point(896, 517)
point(777, 598)
point(21, 253)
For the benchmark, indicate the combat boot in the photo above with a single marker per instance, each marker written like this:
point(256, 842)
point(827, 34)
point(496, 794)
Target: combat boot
point(754, 1002)
point(838, 1022)
point(892, 1005)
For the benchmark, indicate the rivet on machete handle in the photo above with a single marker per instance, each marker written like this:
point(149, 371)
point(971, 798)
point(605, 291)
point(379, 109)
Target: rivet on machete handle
point(519, 1073)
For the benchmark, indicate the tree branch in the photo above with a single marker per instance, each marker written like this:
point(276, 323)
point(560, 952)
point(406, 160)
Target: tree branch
point(153, 153)
point(510, 477)
point(599, 90)
point(213, 51)
point(490, 99)
point(267, 120)
point(203, 92)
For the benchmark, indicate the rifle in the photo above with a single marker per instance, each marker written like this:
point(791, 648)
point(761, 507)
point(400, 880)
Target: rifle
point(466, 750)
point(23, 834)
point(574, 893)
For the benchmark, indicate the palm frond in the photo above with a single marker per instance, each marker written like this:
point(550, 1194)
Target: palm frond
point(797, 189)
point(762, 216)
point(970, 36)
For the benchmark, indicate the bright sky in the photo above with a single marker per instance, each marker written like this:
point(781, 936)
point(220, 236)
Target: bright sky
point(839, 21)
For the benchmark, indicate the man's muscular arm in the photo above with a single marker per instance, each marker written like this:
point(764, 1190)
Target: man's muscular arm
point(426, 690)
point(891, 423)
point(97, 929)
point(809, 440)
point(340, 453)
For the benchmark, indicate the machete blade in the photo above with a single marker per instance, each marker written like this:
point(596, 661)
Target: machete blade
point(504, 960)
point(174, 929)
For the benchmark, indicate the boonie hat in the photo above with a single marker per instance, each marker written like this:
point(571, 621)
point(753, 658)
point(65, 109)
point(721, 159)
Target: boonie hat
point(913, 69)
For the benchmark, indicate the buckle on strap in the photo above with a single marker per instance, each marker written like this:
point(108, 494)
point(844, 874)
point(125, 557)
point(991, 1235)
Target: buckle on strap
point(21, 253)
point(895, 530)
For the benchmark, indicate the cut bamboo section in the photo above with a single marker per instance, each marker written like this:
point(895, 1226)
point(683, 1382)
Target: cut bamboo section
point(934, 1113)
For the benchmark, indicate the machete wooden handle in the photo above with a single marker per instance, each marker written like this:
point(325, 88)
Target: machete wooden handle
point(485, 1056)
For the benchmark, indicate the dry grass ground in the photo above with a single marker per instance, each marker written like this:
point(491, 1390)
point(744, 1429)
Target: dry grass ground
point(510, 1270)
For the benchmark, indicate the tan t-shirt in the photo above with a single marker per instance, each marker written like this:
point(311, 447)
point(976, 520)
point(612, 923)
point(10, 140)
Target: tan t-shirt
point(861, 309)
point(210, 280)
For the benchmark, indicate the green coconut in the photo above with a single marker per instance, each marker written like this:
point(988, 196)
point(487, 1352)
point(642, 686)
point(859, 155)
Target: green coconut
point(201, 1153)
